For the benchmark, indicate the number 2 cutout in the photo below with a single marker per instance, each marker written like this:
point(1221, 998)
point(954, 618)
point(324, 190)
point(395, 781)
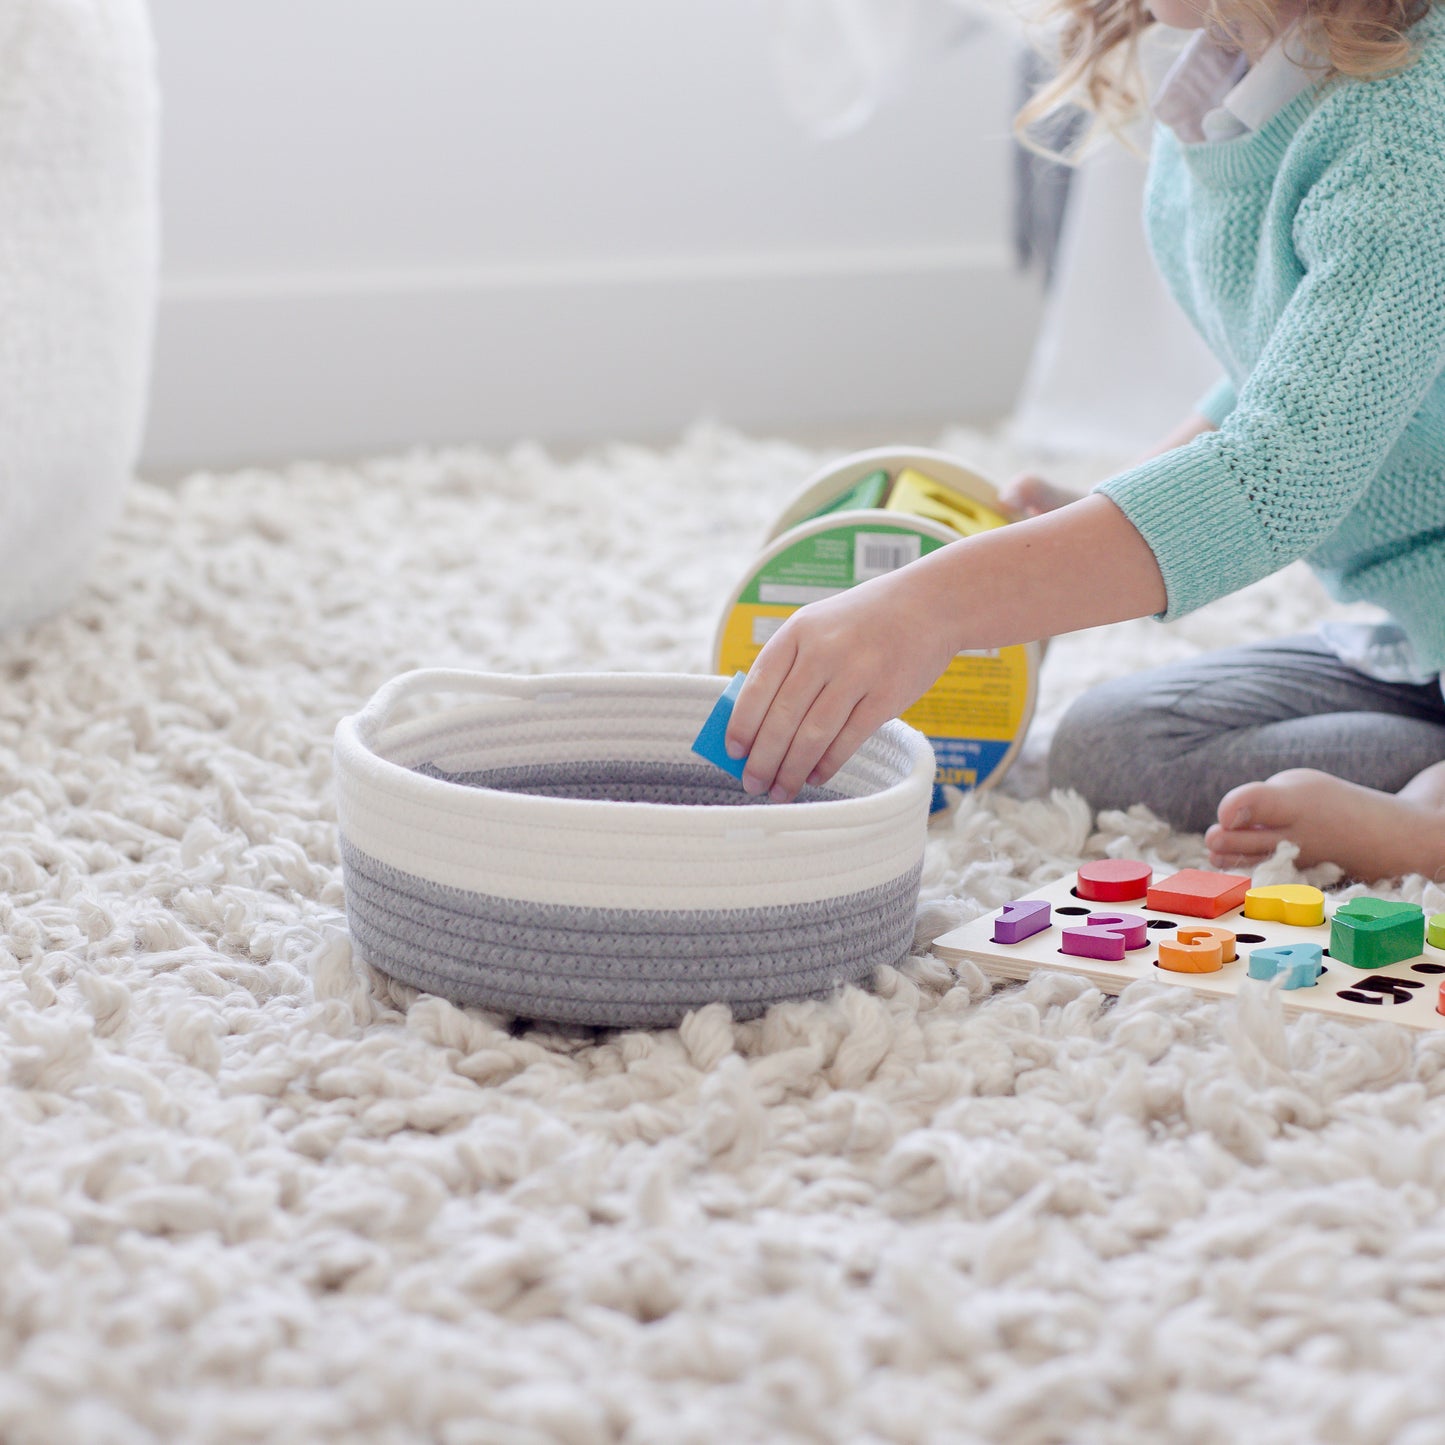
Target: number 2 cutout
point(1106, 935)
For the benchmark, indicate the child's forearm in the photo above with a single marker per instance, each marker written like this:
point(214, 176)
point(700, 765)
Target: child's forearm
point(1079, 566)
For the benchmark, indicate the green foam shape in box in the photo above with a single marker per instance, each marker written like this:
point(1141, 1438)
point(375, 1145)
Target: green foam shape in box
point(862, 495)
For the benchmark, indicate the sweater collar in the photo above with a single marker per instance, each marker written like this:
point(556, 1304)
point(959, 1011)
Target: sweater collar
point(1209, 91)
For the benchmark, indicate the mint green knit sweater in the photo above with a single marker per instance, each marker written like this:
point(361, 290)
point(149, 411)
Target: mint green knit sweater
point(1310, 255)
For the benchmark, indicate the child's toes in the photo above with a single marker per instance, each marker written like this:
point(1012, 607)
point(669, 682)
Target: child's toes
point(1245, 806)
point(1232, 862)
point(1240, 847)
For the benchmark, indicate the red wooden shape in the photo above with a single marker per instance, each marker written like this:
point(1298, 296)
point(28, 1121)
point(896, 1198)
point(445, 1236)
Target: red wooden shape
point(1114, 880)
point(1199, 893)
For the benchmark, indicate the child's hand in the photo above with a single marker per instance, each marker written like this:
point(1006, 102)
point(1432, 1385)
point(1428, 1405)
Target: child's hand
point(831, 675)
point(836, 670)
point(1031, 496)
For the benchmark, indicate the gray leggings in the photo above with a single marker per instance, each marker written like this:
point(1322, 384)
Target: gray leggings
point(1179, 737)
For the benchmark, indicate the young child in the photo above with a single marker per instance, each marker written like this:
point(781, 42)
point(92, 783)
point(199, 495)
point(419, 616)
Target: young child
point(1296, 208)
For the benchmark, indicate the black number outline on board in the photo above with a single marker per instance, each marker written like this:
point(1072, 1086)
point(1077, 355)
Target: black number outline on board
point(1381, 990)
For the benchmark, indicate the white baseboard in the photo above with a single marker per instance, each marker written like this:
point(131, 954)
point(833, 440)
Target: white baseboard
point(339, 366)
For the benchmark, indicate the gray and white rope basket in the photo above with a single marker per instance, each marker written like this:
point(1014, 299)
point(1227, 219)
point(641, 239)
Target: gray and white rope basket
point(550, 847)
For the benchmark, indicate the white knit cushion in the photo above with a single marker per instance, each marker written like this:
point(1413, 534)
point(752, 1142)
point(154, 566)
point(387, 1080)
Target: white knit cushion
point(78, 245)
point(550, 846)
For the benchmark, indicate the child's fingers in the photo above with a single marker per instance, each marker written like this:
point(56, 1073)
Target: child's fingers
point(1015, 492)
point(1031, 495)
point(759, 689)
point(859, 727)
point(775, 735)
point(813, 736)
point(1026, 494)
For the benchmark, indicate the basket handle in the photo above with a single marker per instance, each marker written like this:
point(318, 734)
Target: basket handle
point(373, 717)
point(558, 688)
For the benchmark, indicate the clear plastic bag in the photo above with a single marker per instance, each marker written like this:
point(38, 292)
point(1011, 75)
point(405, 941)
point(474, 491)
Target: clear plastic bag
point(837, 61)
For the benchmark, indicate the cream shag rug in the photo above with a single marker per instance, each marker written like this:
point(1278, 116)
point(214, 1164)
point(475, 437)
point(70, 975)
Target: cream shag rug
point(250, 1193)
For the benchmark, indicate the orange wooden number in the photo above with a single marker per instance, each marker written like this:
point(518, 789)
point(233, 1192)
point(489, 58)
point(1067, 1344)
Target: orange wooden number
point(1197, 950)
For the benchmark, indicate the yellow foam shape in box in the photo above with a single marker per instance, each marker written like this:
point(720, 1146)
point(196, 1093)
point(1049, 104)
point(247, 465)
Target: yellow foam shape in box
point(923, 497)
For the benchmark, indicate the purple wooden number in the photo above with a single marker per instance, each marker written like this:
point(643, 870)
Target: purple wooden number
point(1021, 920)
point(1106, 935)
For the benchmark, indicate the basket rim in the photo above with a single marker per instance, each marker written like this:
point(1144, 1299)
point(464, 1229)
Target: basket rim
point(361, 766)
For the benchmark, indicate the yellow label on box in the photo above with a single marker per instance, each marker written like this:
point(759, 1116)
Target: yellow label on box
point(973, 713)
point(748, 627)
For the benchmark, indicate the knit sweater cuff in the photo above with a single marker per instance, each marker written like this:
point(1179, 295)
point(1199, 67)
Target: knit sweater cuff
point(1168, 499)
point(1217, 402)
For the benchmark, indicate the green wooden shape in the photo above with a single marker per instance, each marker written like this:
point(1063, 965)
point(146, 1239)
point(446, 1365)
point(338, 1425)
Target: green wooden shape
point(1435, 931)
point(1372, 932)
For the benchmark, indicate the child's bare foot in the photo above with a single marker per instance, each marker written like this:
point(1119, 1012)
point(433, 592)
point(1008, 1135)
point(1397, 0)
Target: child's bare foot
point(1031, 496)
point(1369, 834)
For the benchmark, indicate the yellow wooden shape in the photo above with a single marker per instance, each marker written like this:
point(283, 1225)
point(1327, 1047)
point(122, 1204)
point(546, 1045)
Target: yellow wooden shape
point(924, 497)
point(1296, 904)
point(1197, 949)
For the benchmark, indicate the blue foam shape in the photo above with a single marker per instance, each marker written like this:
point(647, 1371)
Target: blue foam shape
point(711, 742)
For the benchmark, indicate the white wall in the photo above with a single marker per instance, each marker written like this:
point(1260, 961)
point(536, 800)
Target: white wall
point(391, 221)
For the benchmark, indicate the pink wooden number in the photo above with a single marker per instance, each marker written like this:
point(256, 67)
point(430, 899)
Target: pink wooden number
point(1106, 935)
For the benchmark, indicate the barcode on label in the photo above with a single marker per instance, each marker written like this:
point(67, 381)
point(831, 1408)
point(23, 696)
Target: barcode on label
point(875, 553)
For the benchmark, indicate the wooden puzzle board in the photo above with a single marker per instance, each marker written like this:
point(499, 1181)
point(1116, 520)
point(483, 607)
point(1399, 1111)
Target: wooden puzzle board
point(1407, 992)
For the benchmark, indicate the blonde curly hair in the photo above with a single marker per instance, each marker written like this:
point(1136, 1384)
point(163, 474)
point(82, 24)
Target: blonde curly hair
point(1096, 43)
